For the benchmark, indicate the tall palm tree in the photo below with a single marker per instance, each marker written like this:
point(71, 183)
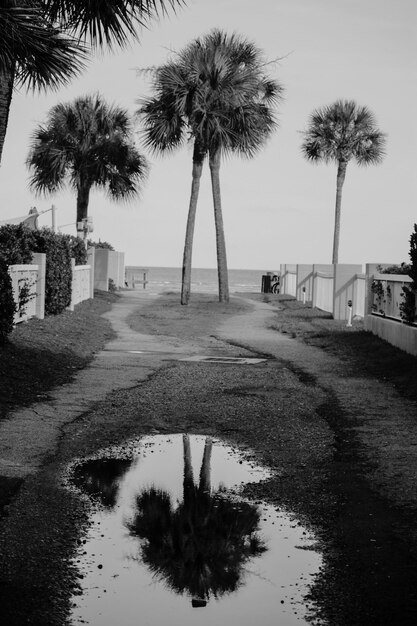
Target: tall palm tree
point(86, 144)
point(43, 42)
point(215, 92)
point(341, 132)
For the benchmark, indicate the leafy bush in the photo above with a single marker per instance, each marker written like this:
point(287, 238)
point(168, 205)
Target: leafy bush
point(404, 268)
point(77, 248)
point(408, 305)
point(7, 304)
point(100, 244)
point(16, 244)
point(58, 268)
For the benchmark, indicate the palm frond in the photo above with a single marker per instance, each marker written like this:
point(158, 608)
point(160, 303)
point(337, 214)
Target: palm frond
point(107, 22)
point(40, 53)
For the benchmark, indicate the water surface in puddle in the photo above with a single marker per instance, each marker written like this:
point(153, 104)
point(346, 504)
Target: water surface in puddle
point(172, 542)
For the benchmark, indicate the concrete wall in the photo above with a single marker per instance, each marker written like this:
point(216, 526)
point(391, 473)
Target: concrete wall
point(108, 264)
point(400, 335)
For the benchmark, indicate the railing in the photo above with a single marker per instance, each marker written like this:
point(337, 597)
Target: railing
point(387, 294)
point(24, 279)
point(323, 291)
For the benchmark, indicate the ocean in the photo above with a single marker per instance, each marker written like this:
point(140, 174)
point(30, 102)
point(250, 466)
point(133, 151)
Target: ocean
point(203, 280)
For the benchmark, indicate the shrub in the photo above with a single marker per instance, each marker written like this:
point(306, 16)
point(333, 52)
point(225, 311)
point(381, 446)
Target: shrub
point(404, 268)
point(99, 244)
point(58, 268)
point(408, 305)
point(7, 304)
point(77, 248)
point(16, 244)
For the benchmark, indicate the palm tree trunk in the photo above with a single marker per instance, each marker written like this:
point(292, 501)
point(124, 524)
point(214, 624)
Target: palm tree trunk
point(6, 92)
point(341, 173)
point(205, 472)
point(198, 159)
point(218, 219)
point(188, 482)
point(83, 197)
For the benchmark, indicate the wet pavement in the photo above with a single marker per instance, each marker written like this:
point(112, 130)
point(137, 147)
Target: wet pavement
point(294, 404)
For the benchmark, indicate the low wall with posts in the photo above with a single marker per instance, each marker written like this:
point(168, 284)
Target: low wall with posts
point(383, 313)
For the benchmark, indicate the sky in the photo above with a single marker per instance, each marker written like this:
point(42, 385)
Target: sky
point(278, 208)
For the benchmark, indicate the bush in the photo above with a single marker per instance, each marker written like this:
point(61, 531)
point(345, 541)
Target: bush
point(408, 305)
point(99, 244)
point(16, 244)
point(78, 249)
point(58, 268)
point(7, 304)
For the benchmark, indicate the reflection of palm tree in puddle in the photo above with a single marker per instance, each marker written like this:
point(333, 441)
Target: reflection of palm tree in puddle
point(201, 546)
point(101, 478)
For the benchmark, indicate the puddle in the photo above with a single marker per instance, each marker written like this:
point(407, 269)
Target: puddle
point(233, 360)
point(171, 541)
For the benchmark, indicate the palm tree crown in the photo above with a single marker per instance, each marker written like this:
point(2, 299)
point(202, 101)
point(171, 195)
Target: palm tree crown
point(214, 92)
point(217, 94)
point(341, 132)
point(86, 143)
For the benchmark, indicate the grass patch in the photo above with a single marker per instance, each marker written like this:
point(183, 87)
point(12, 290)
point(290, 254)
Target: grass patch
point(41, 354)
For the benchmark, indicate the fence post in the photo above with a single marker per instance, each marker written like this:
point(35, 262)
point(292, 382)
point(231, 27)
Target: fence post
point(39, 259)
point(91, 259)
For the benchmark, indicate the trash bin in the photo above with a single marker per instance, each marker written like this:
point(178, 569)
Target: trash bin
point(266, 283)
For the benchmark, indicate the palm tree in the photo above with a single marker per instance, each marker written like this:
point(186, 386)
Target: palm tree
point(32, 52)
point(86, 144)
point(199, 547)
point(41, 40)
point(341, 132)
point(217, 93)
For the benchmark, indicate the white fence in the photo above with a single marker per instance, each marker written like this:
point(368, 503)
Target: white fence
point(288, 279)
point(28, 285)
point(359, 293)
point(24, 279)
point(81, 284)
point(345, 292)
point(387, 294)
point(323, 291)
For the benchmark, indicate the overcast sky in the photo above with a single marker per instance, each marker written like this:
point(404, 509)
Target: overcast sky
point(278, 208)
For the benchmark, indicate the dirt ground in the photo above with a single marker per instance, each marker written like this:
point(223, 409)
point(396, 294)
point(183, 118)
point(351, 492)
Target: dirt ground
point(332, 410)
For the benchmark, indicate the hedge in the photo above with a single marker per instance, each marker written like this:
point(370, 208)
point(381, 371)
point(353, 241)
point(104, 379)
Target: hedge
point(58, 269)
point(7, 304)
point(17, 244)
